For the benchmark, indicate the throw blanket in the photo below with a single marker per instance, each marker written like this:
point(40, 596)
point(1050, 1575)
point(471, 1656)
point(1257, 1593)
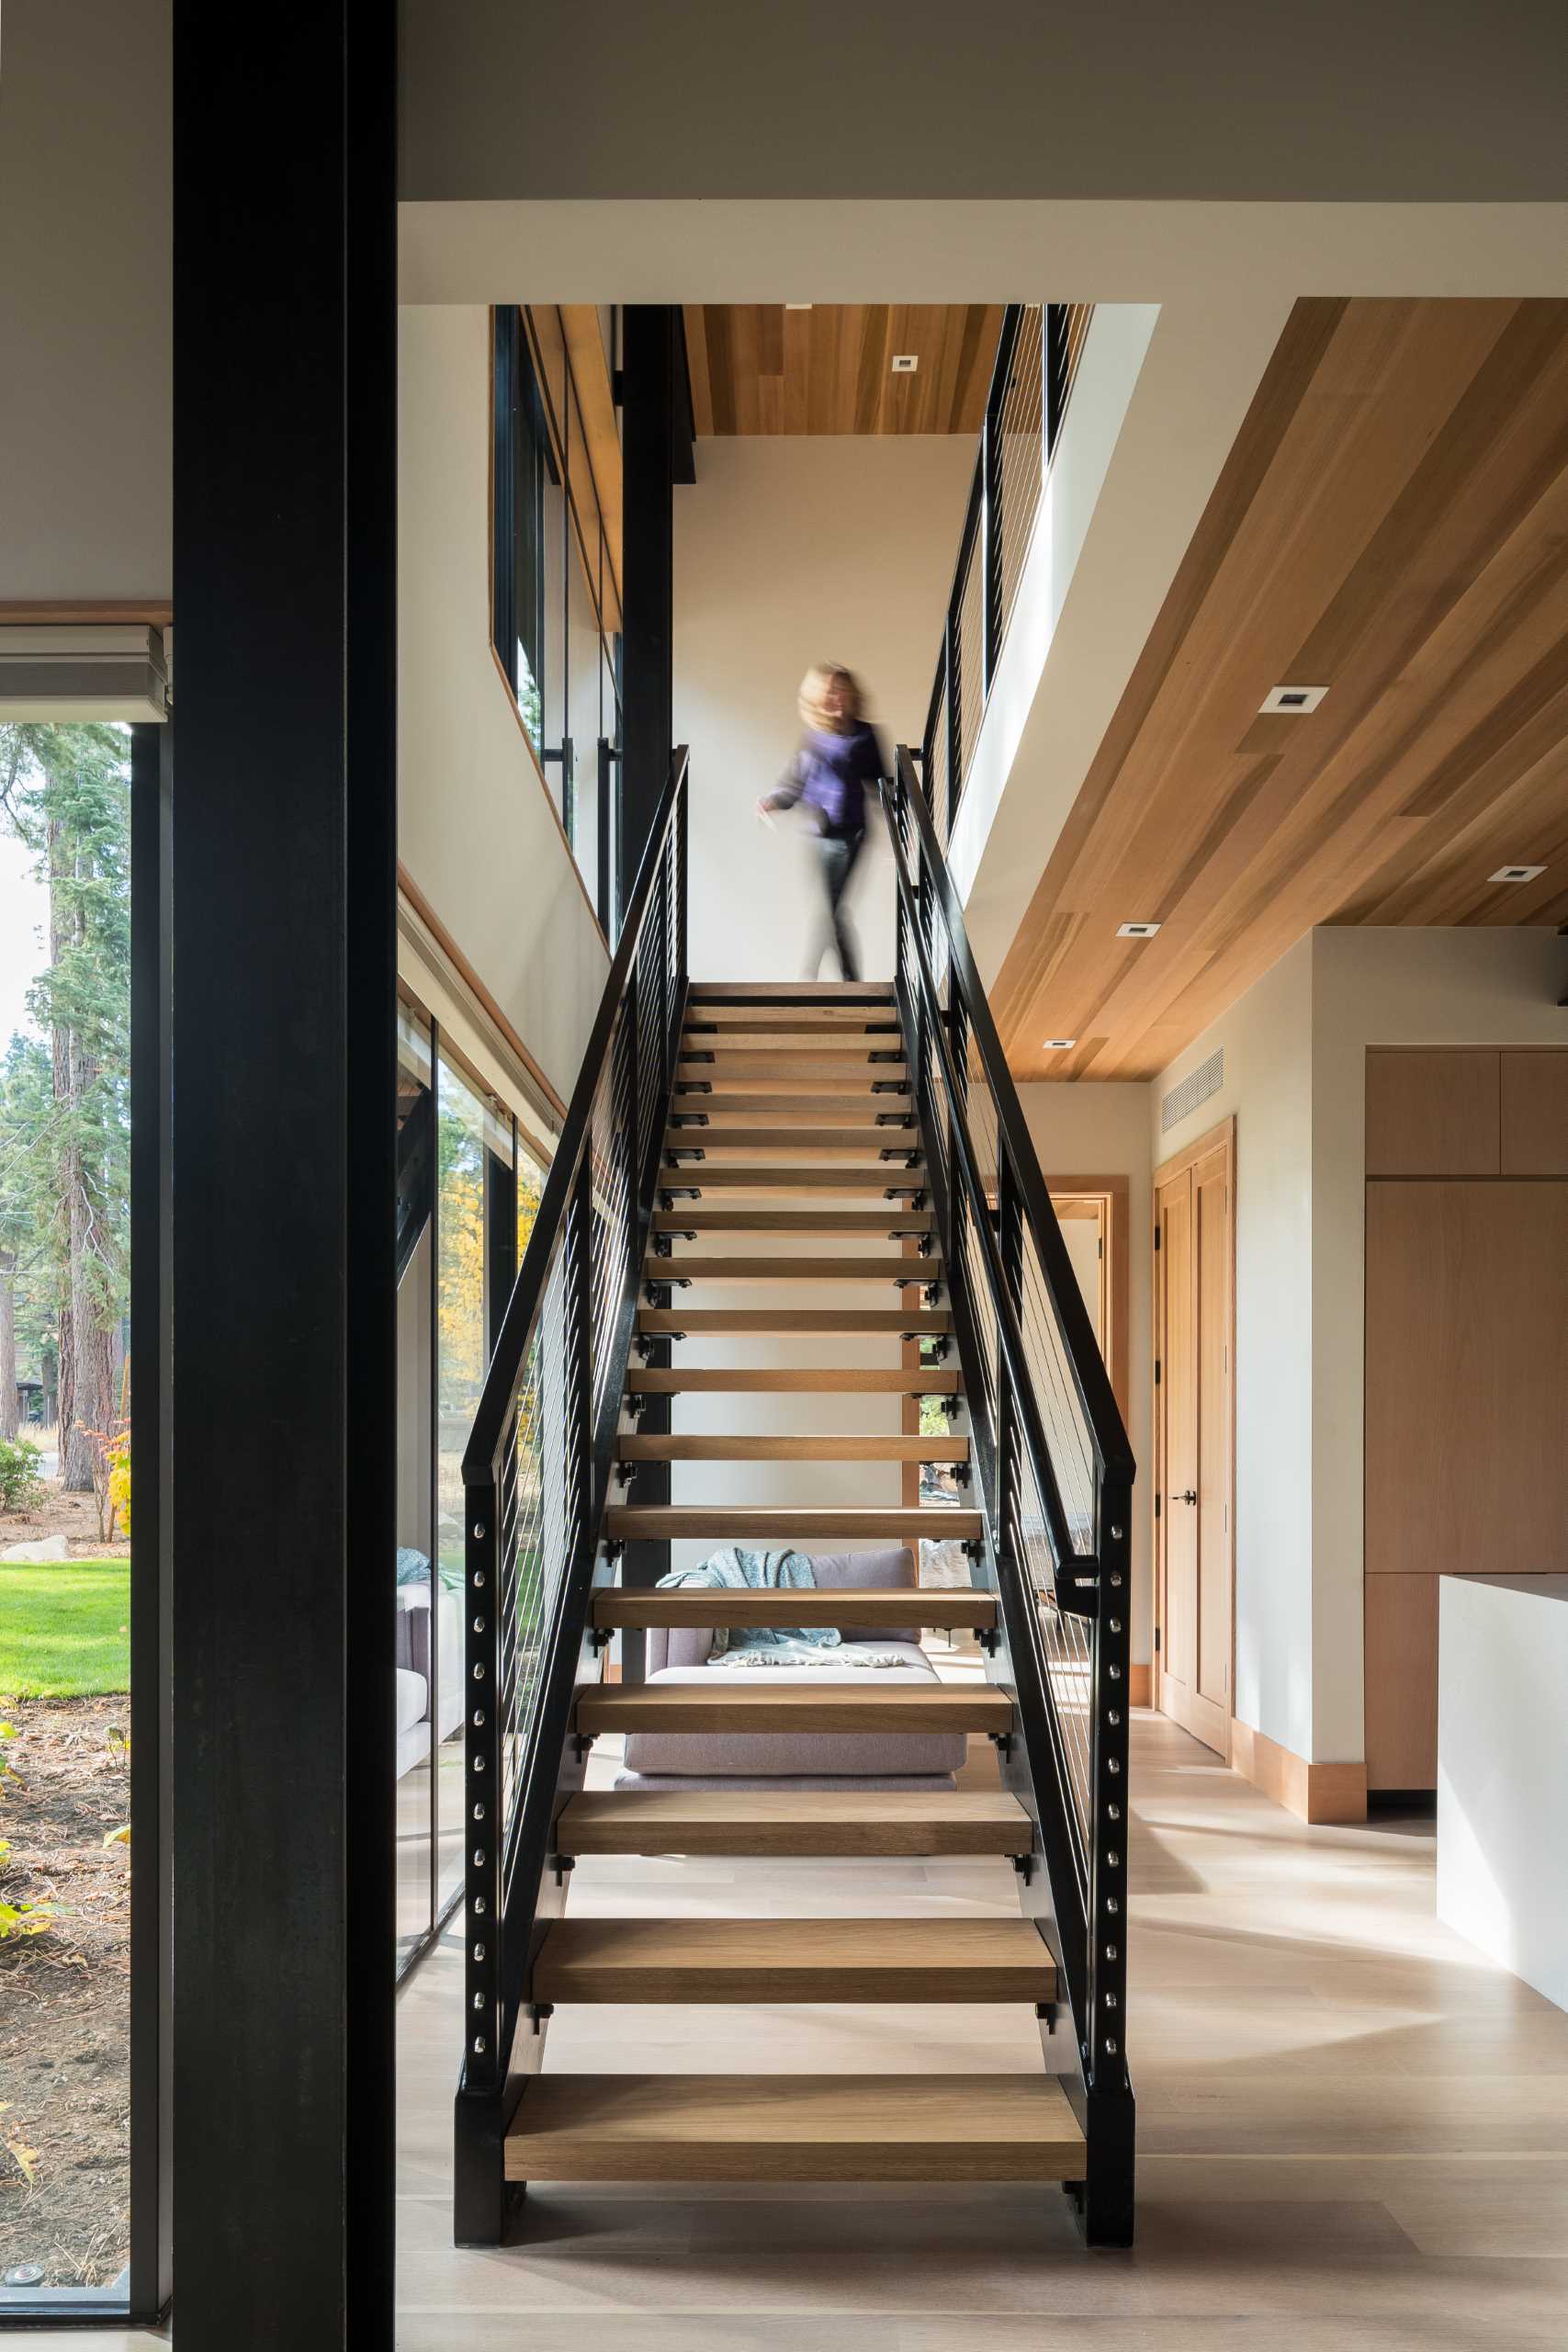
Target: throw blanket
point(734, 1571)
point(858, 1659)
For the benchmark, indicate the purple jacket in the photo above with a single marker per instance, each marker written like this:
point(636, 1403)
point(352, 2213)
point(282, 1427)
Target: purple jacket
point(832, 773)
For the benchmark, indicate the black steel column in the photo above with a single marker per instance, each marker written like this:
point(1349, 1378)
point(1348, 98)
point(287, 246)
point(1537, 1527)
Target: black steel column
point(151, 1545)
point(652, 367)
point(283, 1179)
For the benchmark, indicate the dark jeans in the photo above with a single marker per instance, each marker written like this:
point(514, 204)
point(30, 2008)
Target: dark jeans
point(838, 853)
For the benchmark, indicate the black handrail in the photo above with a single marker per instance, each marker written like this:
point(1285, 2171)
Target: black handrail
point(523, 1307)
point(1067, 1648)
point(536, 1477)
point(1113, 1453)
point(1031, 333)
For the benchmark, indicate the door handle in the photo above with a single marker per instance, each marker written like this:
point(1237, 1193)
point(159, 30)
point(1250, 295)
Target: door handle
point(1191, 1495)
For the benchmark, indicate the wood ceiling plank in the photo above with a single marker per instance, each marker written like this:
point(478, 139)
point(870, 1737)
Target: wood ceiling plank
point(979, 335)
point(1307, 333)
point(822, 392)
point(1393, 522)
point(797, 370)
point(718, 326)
point(744, 356)
point(770, 338)
point(831, 367)
point(871, 365)
point(698, 368)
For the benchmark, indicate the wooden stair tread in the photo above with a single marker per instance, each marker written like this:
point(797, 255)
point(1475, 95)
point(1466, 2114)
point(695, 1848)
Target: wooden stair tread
point(792, 1959)
point(795, 1822)
point(790, 993)
point(825, 1605)
point(694, 1321)
point(887, 1268)
point(793, 1449)
point(704, 1177)
point(737, 1704)
point(824, 1042)
point(868, 1143)
point(891, 1220)
point(804, 1021)
point(849, 1100)
point(827, 1380)
point(820, 1063)
point(794, 2126)
point(737, 1522)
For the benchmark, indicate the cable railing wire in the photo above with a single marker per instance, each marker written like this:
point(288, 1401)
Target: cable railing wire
point(1051, 1465)
point(1038, 355)
point(536, 1470)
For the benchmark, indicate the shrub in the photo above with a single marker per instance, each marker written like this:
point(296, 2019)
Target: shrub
point(20, 1484)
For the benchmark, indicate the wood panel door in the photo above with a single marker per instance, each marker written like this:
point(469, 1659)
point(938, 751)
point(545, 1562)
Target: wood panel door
point(1194, 1421)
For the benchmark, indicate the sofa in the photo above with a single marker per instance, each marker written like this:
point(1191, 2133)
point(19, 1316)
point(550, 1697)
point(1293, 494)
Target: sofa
point(805, 1759)
point(414, 1670)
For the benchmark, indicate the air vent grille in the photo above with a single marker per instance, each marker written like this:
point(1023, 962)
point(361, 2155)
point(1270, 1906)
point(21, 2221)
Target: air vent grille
point(1195, 1088)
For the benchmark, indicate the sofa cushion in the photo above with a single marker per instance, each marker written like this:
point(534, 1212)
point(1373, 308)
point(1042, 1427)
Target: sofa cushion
point(887, 1571)
point(891, 1571)
point(771, 1755)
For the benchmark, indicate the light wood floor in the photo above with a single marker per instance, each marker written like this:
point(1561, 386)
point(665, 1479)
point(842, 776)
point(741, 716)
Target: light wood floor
point(1354, 2128)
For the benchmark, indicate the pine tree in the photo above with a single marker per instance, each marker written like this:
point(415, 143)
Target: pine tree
point(66, 792)
point(28, 1301)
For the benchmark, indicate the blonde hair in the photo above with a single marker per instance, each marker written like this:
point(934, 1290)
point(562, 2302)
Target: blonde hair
point(814, 693)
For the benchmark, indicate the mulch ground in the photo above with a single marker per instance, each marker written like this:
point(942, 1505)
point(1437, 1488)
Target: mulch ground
point(74, 1516)
point(65, 1994)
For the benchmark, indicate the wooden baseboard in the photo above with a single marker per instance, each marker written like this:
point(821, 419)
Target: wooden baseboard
point(1140, 1685)
point(1313, 1792)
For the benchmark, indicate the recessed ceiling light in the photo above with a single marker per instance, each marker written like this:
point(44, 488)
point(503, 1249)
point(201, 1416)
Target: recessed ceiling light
point(1516, 873)
point(1058, 1044)
point(1293, 699)
point(906, 362)
point(1136, 930)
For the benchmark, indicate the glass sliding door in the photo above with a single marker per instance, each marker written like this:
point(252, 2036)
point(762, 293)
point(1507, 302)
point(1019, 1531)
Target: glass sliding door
point(474, 1139)
point(469, 1184)
point(69, 2100)
point(415, 1592)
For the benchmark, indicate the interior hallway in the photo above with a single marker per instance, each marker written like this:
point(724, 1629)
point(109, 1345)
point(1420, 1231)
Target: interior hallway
point(1353, 2128)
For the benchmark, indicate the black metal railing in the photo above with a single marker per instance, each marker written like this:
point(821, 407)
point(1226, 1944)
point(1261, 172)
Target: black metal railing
point(1054, 1473)
point(1036, 361)
point(537, 1478)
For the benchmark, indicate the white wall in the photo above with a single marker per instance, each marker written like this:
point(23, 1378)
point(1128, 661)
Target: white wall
point(1295, 1077)
point(1084, 1130)
point(476, 827)
point(1267, 1038)
point(85, 339)
point(792, 549)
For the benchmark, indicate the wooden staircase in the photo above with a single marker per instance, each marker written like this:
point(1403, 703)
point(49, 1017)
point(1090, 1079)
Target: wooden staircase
point(790, 1118)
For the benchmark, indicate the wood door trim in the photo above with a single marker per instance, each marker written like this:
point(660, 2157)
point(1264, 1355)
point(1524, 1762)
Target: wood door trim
point(1223, 1132)
point(1115, 1192)
point(1219, 1137)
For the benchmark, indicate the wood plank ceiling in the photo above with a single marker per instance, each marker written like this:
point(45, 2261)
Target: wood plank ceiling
point(1391, 524)
point(758, 367)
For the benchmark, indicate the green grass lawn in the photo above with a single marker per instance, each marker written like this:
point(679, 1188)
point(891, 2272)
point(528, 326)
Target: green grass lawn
point(64, 1629)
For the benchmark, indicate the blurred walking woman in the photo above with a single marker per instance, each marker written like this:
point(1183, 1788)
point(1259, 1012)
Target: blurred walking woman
point(838, 764)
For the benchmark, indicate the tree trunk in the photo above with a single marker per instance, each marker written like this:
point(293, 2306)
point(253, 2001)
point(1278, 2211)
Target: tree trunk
point(86, 1387)
point(92, 1353)
point(10, 1413)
